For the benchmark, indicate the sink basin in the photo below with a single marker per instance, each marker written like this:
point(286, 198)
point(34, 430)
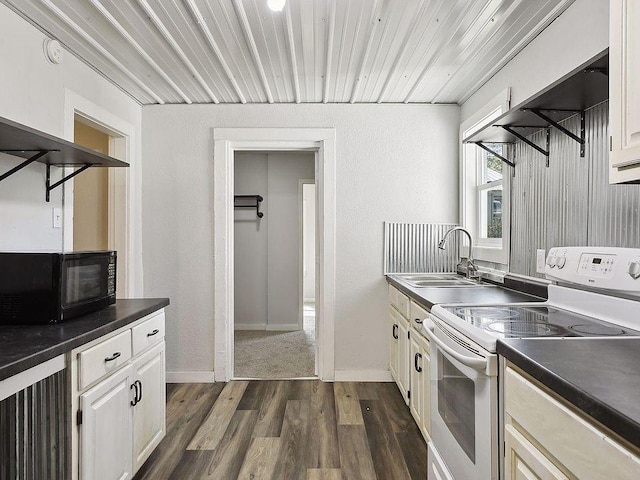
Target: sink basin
point(437, 280)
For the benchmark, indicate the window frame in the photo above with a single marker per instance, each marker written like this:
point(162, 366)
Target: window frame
point(487, 250)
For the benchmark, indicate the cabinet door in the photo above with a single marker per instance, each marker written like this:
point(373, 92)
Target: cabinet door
point(149, 410)
point(425, 395)
point(415, 379)
point(393, 344)
point(624, 90)
point(403, 357)
point(105, 433)
point(523, 461)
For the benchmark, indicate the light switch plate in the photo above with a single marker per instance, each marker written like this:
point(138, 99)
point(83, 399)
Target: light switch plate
point(540, 260)
point(57, 218)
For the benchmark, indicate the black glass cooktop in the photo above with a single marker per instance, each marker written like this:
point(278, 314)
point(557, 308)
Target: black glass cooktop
point(537, 321)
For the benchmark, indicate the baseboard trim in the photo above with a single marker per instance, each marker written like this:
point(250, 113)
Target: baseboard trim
point(284, 327)
point(363, 376)
point(249, 326)
point(190, 377)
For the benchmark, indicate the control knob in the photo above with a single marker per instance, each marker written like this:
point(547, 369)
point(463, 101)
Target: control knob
point(634, 270)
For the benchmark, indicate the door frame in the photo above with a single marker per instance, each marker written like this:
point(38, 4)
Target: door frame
point(226, 141)
point(301, 183)
point(121, 146)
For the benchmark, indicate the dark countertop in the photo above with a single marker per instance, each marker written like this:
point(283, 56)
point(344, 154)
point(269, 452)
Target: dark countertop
point(599, 376)
point(483, 295)
point(25, 346)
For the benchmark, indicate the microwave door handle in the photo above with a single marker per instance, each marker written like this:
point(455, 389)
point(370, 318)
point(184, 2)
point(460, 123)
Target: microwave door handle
point(478, 364)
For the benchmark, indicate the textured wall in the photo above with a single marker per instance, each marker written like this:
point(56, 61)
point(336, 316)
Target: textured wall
point(33, 92)
point(571, 202)
point(394, 163)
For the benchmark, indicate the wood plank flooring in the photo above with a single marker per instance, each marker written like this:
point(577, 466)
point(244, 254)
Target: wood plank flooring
point(287, 429)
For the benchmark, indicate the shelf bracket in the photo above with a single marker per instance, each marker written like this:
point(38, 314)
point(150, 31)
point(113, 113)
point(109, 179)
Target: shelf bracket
point(60, 182)
point(510, 129)
point(497, 155)
point(28, 161)
point(580, 139)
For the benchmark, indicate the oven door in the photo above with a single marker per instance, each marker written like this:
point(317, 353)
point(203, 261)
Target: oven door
point(464, 410)
point(87, 281)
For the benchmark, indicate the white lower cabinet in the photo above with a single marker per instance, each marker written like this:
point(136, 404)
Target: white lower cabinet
point(547, 439)
point(403, 357)
point(121, 415)
point(105, 438)
point(149, 410)
point(420, 377)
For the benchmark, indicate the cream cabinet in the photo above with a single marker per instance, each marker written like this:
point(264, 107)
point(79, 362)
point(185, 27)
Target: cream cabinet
point(624, 90)
point(545, 438)
point(420, 377)
point(409, 361)
point(119, 396)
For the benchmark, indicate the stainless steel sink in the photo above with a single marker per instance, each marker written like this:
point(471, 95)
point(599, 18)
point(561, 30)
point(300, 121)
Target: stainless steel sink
point(437, 280)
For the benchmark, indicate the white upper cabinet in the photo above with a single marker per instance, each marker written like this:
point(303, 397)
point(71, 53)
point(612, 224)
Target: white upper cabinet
point(624, 90)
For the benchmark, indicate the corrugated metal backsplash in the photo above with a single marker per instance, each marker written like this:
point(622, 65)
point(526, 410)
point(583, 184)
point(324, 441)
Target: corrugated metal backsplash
point(413, 248)
point(571, 202)
point(33, 427)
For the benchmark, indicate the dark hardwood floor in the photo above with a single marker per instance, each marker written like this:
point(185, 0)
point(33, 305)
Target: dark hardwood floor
point(288, 429)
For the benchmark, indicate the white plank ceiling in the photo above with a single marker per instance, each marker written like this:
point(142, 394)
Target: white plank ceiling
point(314, 51)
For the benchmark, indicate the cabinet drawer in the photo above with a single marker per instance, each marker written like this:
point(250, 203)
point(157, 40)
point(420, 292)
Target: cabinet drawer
point(399, 300)
point(417, 315)
point(104, 358)
point(148, 333)
point(579, 446)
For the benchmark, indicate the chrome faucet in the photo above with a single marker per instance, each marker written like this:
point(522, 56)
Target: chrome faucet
point(472, 270)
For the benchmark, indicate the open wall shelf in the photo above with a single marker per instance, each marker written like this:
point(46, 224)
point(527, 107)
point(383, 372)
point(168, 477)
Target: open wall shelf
point(36, 146)
point(572, 95)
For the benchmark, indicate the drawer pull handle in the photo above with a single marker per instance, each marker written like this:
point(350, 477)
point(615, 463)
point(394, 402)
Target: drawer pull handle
point(112, 357)
point(418, 321)
point(155, 332)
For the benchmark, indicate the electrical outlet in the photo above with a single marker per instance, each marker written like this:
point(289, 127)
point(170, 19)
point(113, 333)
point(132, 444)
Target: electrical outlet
point(540, 260)
point(57, 218)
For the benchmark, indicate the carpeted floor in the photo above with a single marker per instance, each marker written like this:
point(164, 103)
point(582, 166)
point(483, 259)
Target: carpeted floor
point(262, 354)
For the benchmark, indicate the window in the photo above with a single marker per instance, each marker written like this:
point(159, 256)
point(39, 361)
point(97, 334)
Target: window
point(489, 196)
point(484, 187)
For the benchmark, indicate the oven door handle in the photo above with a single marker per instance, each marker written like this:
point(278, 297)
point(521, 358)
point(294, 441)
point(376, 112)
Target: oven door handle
point(472, 362)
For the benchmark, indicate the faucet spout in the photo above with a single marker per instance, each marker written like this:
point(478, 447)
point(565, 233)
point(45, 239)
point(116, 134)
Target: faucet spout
point(472, 270)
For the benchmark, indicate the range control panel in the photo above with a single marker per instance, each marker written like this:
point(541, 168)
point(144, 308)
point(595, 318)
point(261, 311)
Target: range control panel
point(600, 267)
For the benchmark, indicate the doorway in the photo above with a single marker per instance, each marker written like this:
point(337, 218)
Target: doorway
point(274, 334)
point(99, 220)
point(321, 141)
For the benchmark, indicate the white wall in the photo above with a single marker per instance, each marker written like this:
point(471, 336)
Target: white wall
point(285, 169)
point(394, 163)
point(576, 36)
point(251, 244)
point(33, 92)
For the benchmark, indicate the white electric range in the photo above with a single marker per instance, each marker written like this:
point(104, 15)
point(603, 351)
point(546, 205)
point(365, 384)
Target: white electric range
point(596, 295)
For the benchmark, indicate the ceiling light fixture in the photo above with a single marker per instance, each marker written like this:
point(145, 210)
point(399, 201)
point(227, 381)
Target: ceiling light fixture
point(276, 5)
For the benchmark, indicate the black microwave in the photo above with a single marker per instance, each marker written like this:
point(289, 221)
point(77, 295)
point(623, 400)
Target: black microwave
point(45, 287)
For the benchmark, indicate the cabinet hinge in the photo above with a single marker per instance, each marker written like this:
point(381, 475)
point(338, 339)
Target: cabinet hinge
point(409, 334)
point(408, 393)
point(611, 143)
point(79, 417)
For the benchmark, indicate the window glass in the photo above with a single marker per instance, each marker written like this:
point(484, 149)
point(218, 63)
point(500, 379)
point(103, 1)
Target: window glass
point(490, 194)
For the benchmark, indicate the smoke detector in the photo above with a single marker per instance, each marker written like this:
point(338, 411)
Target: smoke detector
point(53, 51)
